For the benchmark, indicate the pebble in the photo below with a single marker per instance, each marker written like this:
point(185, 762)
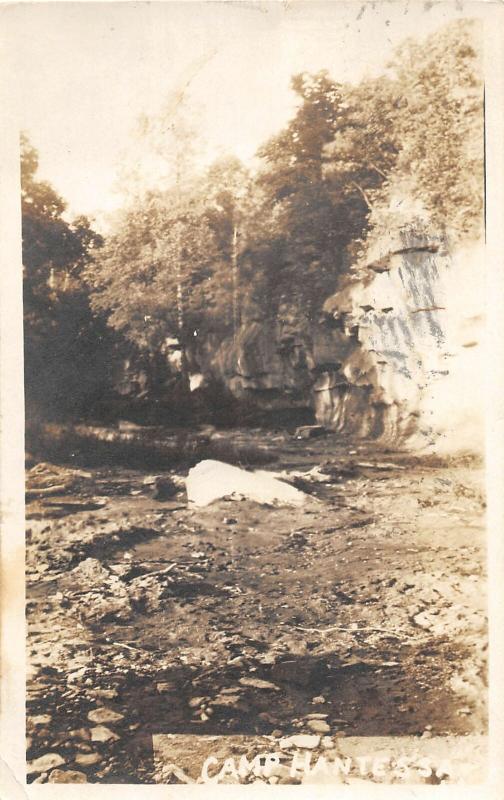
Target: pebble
point(104, 715)
point(66, 776)
point(103, 734)
point(316, 716)
point(258, 683)
point(227, 700)
point(195, 702)
point(327, 743)
point(44, 763)
point(319, 726)
point(305, 741)
point(319, 700)
point(87, 759)
point(106, 694)
point(39, 719)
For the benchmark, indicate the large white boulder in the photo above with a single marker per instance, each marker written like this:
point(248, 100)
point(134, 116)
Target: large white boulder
point(212, 480)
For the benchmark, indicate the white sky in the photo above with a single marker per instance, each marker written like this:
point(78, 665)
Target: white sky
point(84, 72)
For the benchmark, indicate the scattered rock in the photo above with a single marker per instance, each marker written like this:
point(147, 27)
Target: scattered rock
point(97, 607)
point(258, 683)
point(196, 702)
point(319, 700)
point(66, 776)
point(227, 700)
point(87, 759)
point(100, 715)
point(103, 734)
point(77, 675)
point(319, 726)
point(47, 479)
point(106, 694)
point(150, 480)
point(146, 592)
point(327, 743)
point(39, 719)
point(80, 733)
point(305, 741)
point(45, 763)
point(88, 575)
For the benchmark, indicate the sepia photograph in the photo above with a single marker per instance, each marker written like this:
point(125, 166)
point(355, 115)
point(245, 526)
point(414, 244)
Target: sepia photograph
point(254, 292)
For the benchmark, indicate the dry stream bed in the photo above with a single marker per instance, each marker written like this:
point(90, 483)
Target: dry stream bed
point(362, 613)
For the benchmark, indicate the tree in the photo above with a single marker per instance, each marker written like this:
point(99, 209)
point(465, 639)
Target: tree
point(316, 217)
point(412, 143)
point(151, 276)
point(228, 192)
point(440, 125)
point(365, 145)
point(64, 344)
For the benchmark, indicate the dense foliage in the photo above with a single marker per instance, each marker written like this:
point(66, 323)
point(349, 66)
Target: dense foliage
point(189, 260)
point(66, 346)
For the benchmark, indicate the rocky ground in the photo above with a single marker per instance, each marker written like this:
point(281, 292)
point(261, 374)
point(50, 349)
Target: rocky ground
point(360, 614)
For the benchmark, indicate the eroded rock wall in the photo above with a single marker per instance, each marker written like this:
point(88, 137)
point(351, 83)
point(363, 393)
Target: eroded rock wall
point(391, 356)
point(416, 313)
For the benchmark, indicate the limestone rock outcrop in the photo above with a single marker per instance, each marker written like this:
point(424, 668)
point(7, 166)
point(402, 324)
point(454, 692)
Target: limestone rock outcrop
point(391, 350)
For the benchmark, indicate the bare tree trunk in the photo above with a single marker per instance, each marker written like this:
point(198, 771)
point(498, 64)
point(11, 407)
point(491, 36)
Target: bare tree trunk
point(184, 367)
point(234, 276)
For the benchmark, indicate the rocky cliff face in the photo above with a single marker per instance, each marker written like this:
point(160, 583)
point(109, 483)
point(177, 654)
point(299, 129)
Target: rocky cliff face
point(393, 310)
point(416, 313)
point(387, 358)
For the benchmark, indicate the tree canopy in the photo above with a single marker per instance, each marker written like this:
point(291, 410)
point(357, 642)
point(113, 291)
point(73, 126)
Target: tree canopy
point(192, 256)
point(64, 341)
